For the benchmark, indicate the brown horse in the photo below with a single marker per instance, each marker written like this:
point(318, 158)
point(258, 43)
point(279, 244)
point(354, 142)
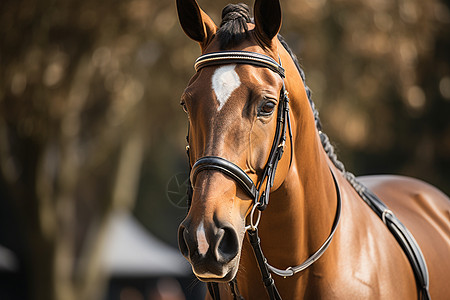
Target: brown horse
point(234, 115)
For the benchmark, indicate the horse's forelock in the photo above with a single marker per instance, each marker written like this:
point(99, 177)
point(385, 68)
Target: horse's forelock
point(233, 28)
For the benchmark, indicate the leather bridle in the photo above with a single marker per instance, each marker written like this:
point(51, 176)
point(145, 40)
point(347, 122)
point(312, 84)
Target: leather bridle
point(261, 198)
point(259, 195)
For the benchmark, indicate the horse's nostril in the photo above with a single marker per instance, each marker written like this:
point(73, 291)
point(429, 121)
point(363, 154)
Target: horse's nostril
point(228, 245)
point(182, 243)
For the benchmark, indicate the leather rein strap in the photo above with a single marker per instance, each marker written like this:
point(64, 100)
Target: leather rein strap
point(259, 196)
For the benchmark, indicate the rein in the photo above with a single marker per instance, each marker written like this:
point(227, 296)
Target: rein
point(259, 195)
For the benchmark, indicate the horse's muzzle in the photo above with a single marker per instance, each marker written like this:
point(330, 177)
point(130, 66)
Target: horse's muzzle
point(210, 248)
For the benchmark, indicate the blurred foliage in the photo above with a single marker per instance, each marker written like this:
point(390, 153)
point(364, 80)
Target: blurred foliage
point(380, 73)
point(89, 94)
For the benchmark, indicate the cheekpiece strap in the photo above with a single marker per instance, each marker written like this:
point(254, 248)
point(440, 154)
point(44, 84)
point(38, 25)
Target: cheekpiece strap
point(238, 57)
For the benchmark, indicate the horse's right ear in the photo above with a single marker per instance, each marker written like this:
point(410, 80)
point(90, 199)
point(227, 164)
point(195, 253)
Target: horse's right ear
point(195, 22)
point(267, 20)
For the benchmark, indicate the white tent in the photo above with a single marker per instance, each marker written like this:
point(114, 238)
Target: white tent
point(131, 250)
point(8, 260)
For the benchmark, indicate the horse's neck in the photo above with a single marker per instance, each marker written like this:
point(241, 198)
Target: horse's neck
point(304, 206)
point(298, 218)
point(302, 210)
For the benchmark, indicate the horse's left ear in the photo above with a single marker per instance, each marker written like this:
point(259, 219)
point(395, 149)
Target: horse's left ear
point(195, 22)
point(267, 19)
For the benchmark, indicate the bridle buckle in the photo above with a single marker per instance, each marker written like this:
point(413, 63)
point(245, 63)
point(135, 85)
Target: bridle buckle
point(254, 225)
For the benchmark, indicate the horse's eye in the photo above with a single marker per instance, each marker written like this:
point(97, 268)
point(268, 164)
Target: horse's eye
point(183, 104)
point(267, 108)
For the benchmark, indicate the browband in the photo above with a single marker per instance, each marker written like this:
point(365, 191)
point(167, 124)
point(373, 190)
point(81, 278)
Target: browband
point(238, 57)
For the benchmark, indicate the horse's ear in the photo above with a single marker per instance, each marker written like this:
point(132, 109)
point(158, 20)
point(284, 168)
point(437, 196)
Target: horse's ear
point(267, 19)
point(195, 22)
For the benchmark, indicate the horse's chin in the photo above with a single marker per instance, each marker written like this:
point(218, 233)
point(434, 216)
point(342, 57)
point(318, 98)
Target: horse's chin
point(227, 273)
point(227, 278)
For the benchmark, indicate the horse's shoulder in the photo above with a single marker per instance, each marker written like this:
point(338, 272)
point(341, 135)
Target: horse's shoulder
point(423, 208)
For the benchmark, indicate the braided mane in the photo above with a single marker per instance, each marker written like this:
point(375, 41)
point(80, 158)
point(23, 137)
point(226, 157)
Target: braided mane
point(233, 28)
point(326, 144)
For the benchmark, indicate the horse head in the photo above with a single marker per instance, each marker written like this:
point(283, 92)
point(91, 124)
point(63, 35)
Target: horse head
point(233, 109)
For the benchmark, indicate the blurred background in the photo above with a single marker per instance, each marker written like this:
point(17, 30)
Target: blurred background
point(92, 138)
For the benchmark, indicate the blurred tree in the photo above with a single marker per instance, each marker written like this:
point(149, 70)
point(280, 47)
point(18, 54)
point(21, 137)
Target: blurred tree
point(70, 131)
point(90, 121)
point(380, 74)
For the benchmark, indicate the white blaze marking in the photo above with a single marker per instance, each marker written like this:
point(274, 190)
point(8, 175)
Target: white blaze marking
point(201, 240)
point(224, 81)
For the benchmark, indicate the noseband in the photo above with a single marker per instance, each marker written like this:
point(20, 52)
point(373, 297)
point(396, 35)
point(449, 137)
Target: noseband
point(260, 197)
